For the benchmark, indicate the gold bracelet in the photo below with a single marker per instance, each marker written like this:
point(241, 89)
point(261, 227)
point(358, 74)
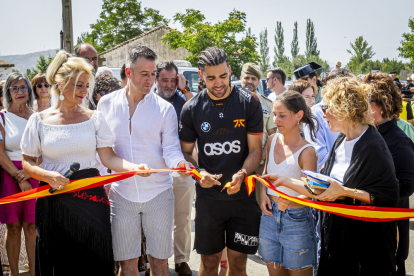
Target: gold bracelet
point(355, 193)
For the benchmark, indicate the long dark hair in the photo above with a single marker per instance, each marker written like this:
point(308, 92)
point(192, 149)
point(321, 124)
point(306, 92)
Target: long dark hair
point(295, 102)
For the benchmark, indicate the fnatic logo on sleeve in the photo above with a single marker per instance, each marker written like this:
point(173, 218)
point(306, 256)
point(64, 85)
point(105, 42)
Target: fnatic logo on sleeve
point(239, 123)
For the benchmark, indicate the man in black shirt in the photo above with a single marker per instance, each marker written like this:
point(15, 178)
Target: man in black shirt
point(171, 87)
point(227, 124)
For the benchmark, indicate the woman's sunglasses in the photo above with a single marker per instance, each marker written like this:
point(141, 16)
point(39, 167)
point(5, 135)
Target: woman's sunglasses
point(324, 107)
point(40, 85)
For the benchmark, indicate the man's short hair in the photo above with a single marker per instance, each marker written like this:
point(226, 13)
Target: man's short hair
point(122, 73)
point(139, 52)
point(79, 47)
point(278, 73)
point(166, 65)
point(212, 56)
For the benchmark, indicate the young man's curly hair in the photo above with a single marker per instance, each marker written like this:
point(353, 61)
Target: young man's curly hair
point(386, 94)
point(347, 99)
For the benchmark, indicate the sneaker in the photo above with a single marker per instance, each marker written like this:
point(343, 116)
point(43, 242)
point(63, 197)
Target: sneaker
point(183, 269)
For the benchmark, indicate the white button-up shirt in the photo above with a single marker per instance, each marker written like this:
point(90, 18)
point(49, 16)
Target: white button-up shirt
point(153, 140)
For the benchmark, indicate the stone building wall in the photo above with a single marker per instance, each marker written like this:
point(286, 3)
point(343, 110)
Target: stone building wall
point(115, 57)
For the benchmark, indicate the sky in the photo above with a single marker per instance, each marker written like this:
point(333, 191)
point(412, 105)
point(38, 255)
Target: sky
point(30, 26)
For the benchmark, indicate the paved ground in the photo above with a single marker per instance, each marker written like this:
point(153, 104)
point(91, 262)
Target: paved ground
point(255, 267)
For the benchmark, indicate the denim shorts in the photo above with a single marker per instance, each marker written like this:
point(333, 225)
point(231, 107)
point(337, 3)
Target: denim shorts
point(288, 238)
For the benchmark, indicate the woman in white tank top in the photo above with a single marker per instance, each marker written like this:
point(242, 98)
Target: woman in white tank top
point(287, 236)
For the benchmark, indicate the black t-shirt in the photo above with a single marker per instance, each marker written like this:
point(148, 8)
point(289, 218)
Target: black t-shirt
point(177, 100)
point(221, 142)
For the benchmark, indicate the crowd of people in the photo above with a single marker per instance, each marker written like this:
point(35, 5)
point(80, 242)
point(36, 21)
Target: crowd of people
point(358, 131)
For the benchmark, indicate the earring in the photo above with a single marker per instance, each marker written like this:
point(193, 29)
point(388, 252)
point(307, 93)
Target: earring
point(61, 97)
point(382, 112)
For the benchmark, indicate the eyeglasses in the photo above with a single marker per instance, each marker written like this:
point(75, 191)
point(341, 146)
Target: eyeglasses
point(373, 101)
point(324, 107)
point(16, 89)
point(40, 85)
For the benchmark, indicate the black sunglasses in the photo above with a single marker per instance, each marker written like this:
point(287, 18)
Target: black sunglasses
point(373, 101)
point(40, 85)
point(324, 107)
point(305, 78)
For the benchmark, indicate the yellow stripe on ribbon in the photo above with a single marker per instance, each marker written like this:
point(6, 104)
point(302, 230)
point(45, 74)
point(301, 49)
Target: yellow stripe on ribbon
point(86, 183)
point(366, 213)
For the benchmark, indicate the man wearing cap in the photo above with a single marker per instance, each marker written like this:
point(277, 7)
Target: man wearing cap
point(275, 82)
point(308, 73)
point(250, 80)
point(393, 75)
point(337, 66)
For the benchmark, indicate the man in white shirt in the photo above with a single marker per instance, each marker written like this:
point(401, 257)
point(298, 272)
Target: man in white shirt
point(145, 127)
point(275, 82)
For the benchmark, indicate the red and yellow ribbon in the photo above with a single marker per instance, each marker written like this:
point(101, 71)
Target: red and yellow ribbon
point(366, 213)
point(86, 183)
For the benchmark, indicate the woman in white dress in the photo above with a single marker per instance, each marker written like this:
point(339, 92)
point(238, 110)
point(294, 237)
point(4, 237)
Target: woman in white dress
point(74, 233)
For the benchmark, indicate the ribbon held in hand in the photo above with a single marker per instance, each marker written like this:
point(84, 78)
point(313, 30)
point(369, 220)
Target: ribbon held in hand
point(87, 183)
point(365, 213)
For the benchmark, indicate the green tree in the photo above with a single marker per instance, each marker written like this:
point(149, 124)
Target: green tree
point(311, 41)
point(407, 44)
point(120, 21)
point(361, 52)
point(279, 48)
point(41, 66)
point(295, 41)
point(198, 34)
point(264, 52)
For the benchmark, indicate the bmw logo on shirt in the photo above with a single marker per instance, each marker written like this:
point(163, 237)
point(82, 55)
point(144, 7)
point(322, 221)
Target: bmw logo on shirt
point(205, 127)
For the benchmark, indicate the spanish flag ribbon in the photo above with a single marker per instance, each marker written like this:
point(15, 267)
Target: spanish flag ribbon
point(86, 183)
point(365, 213)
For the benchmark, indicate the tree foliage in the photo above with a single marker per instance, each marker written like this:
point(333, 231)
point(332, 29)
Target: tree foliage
point(279, 48)
point(361, 53)
point(198, 34)
point(360, 50)
point(41, 66)
point(386, 66)
point(311, 41)
point(264, 52)
point(120, 21)
point(407, 44)
point(295, 41)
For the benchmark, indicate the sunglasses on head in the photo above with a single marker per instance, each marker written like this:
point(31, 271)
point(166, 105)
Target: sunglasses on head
point(40, 85)
point(324, 107)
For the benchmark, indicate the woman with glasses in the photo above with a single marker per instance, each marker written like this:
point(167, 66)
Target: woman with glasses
point(41, 92)
point(386, 106)
point(17, 102)
point(361, 161)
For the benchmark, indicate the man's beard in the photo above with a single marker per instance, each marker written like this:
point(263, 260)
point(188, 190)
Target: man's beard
point(251, 88)
point(225, 88)
point(167, 90)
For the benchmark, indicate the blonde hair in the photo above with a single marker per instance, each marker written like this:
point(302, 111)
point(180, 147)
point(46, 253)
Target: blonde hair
point(347, 99)
point(63, 68)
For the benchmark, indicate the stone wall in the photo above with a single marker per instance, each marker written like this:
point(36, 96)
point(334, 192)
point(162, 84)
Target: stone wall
point(115, 57)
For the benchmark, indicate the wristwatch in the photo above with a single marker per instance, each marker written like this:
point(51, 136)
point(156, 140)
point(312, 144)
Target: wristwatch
point(199, 170)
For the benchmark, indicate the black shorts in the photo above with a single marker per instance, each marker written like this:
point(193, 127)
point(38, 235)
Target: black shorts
point(231, 223)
